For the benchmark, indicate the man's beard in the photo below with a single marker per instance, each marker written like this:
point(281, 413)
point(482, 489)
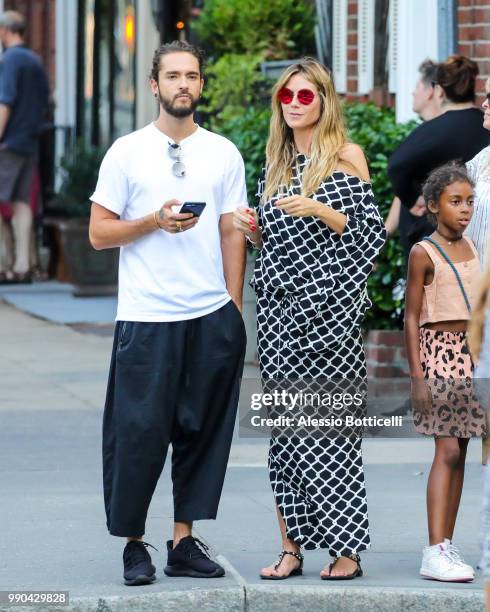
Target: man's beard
point(181, 111)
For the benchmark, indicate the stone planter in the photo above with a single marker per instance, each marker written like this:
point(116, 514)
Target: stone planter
point(93, 273)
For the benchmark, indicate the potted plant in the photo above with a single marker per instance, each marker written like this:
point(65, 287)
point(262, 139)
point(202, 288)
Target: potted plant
point(93, 273)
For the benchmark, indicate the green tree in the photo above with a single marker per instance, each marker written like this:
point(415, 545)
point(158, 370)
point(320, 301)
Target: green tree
point(279, 29)
point(225, 98)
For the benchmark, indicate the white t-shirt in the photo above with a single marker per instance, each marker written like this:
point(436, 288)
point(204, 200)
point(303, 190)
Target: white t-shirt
point(164, 276)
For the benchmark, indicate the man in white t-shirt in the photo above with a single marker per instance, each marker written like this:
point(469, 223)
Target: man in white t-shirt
point(180, 339)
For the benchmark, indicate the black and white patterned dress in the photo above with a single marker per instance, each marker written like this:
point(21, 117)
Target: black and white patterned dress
point(311, 299)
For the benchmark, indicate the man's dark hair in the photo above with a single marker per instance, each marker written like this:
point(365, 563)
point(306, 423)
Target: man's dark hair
point(428, 71)
point(14, 22)
point(439, 179)
point(176, 46)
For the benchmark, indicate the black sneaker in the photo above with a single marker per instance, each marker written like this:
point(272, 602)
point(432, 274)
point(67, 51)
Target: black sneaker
point(190, 558)
point(138, 568)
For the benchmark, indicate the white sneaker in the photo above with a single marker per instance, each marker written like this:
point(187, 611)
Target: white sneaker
point(438, 563)
point(456, 555)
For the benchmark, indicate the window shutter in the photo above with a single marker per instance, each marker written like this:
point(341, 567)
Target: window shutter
point(365, 49)
point(339, 44)
point(393, 45)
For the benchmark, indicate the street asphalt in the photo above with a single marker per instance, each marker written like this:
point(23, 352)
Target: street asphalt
point(54, 538)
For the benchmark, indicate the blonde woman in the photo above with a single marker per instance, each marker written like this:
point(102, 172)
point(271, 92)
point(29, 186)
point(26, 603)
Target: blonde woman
point(318, 230)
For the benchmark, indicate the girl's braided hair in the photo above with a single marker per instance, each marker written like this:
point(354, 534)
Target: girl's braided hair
point(439, 179)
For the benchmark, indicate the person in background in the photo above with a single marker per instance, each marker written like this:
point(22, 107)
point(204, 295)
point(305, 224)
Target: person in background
point(479, 170)
point(24, 97)
point(427, 103)
point(479, 343)
point(457, 133)
point(442, 283)
point(479, 227)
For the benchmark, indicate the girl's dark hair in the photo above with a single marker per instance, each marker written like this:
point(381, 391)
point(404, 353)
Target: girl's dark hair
point(176, 46)
point(439, 179)
point(457, 76)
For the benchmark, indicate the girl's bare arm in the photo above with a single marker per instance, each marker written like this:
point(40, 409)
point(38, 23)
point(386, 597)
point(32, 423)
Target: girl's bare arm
point(418, 265)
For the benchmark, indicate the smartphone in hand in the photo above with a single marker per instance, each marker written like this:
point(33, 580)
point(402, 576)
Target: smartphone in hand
point(195, 208)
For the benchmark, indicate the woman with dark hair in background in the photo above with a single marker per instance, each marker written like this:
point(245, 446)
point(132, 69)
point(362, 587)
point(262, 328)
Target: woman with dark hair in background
point(426, 102)
point(458, 133)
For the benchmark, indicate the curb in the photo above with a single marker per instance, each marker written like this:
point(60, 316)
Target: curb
point(255, 598)
point(354, 599)
point(229, 598)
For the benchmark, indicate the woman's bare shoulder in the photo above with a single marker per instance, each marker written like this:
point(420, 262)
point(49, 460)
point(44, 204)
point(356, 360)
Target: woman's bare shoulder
point(353, 160)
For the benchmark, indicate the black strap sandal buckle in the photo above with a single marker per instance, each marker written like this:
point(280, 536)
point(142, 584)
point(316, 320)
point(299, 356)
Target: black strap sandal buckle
point(295, 572)
point(357, 573)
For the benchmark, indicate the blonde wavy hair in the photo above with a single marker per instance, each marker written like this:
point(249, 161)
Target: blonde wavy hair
point(329, 135)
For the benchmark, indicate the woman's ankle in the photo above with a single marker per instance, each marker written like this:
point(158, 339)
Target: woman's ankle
point(290, 545)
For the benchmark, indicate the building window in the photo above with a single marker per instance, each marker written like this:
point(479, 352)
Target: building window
point(106, 70)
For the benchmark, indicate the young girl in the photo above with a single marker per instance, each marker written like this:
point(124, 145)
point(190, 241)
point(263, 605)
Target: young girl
point(443, 276)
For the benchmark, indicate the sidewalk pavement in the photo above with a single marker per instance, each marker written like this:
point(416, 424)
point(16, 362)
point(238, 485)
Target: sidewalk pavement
point(54, 538)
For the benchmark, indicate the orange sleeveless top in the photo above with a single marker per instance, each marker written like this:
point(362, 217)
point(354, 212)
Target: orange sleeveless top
point(443, 299)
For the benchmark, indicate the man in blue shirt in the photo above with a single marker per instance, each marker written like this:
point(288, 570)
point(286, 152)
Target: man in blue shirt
point(24, 94)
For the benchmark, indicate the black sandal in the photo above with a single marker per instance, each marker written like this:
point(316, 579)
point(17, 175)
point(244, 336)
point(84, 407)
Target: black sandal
point(357, 573)
point(296, 572)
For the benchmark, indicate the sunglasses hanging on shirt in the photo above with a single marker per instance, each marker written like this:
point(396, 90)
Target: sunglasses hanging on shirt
point(175, 152)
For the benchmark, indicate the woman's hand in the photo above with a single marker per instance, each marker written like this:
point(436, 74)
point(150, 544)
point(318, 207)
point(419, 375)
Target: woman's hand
point(299, 206)
point(421, 396)
point(245, 220)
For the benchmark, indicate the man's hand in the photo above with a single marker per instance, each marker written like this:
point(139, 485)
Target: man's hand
point(419, 208)
point(175, 222)
point(5, 113)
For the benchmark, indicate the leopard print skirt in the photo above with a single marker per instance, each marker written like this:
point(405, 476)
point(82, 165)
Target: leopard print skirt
point(448, 369)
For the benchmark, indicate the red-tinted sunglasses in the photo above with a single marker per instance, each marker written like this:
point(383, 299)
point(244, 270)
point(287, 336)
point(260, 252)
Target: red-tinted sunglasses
point(286, 96)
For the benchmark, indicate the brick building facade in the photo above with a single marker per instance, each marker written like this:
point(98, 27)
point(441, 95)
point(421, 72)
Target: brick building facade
point(470, 36)
point(474, 34)
point(355, 26)
point(352, 46)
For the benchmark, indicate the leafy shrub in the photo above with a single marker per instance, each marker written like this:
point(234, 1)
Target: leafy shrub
point(80, 171)
point(227, 99)
point(279, 29)
point(249, 131)
point(376, 131)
